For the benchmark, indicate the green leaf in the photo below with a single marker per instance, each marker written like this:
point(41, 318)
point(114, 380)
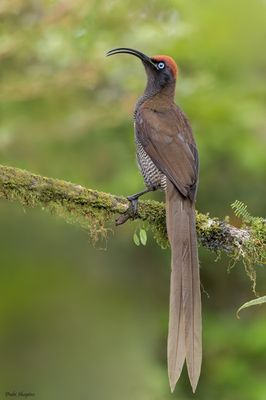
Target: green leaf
point(255, 302)
point(143, 236)
point(136, 239)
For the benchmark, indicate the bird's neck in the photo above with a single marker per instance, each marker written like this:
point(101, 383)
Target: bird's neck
point(166, 93)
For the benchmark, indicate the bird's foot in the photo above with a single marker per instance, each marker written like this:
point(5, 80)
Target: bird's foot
point(134, 200)
point(131, 212)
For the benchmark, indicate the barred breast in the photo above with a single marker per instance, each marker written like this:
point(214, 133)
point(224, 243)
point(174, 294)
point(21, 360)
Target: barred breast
point(153, 177)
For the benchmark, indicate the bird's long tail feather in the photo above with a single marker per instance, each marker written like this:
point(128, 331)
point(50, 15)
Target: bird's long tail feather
point(184, 336)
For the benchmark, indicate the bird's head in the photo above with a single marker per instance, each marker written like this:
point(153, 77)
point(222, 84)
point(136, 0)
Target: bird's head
point(161, 70)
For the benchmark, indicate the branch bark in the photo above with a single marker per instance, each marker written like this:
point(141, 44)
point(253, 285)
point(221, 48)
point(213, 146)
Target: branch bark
point(93, 209)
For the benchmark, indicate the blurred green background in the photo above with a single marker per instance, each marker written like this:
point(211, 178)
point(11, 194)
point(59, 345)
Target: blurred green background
point(78, 322)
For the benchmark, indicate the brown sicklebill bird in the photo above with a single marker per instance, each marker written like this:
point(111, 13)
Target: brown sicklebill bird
point(168, 160)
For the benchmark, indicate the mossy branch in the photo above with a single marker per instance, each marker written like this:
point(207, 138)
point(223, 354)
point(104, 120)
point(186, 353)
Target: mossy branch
point(94, 210)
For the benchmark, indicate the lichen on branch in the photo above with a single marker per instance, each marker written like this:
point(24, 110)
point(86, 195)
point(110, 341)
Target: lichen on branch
point(96, 210)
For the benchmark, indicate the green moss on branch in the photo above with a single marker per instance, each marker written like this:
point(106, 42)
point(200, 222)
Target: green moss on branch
point(94, 210)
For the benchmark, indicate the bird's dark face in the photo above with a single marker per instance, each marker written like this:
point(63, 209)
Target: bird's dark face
point(161, 70)
point(166, 69)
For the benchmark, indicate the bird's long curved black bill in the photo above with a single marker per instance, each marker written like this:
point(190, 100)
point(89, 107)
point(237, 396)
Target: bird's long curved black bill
point(136, 53)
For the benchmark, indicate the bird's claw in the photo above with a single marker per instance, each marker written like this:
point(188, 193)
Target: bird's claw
point(133, 207)
point(131, 212)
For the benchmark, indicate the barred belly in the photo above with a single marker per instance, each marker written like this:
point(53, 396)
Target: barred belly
point(153, 177)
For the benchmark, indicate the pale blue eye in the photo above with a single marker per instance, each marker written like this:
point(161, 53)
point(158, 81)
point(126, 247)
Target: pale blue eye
point(161, 65)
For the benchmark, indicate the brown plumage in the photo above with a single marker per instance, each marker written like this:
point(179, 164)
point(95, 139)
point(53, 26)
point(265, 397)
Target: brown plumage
point(168, 159)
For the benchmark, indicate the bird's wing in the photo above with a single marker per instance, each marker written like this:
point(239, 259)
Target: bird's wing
point(166, 137)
